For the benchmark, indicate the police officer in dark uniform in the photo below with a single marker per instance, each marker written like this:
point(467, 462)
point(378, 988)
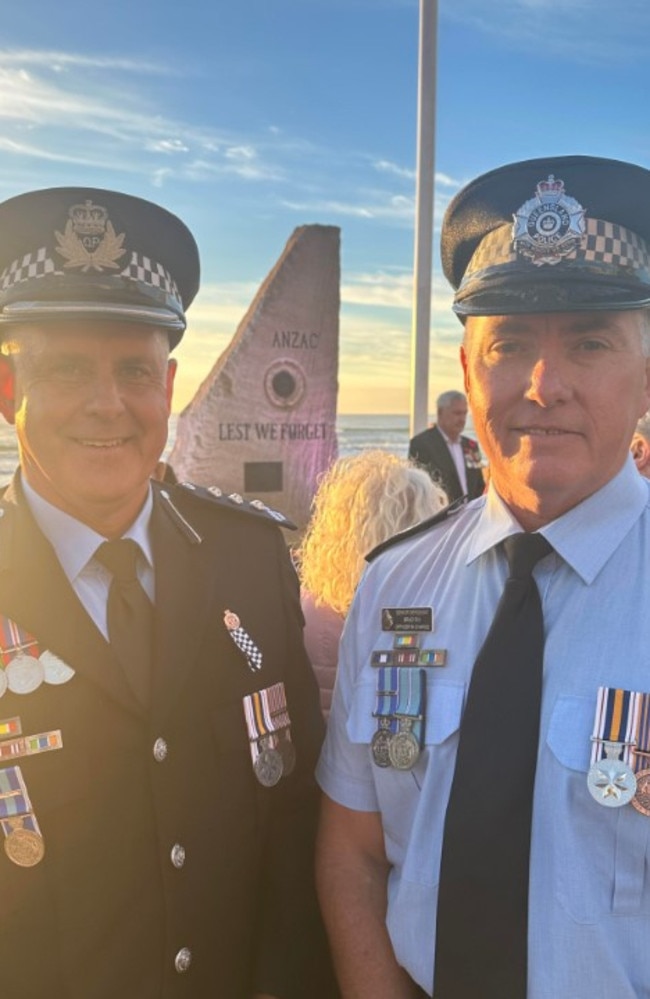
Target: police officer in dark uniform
point(159, 722)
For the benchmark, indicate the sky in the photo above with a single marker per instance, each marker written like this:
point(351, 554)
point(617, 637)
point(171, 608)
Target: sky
point(249, 118)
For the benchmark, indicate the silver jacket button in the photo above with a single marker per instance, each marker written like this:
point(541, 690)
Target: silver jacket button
point(178, 855)
point(160, 750)
point(183, 960)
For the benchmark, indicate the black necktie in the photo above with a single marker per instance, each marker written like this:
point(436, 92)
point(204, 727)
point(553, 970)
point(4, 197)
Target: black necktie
point(129, 614)
point(482, 934)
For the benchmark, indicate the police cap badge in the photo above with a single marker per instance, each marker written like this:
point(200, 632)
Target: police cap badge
point(563, 234)
point(82, 253)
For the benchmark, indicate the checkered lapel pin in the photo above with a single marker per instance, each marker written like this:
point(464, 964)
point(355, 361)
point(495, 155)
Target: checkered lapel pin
point(243, 641)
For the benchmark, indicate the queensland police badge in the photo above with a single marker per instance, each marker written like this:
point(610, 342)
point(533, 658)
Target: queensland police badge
point(549, 226)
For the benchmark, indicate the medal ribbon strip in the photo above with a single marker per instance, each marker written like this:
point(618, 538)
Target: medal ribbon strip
point(10, 726)
point(14, 799)
point(616, 720)
point(15, 639)
point(28, 745)
point(387, 691)
point(266, 716)
point(411, 700)
point(641, 752)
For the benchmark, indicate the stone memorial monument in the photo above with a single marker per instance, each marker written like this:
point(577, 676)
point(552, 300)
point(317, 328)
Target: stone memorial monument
point(263, 423)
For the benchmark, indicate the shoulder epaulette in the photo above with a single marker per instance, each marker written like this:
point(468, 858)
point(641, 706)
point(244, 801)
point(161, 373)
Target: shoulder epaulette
point(420, 528)
point(231, 501)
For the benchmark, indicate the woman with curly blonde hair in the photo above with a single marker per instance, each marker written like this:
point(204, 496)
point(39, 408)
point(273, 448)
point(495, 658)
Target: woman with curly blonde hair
point(361, 501)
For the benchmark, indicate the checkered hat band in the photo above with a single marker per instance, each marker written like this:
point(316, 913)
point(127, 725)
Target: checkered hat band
point(602, 243)
point(39, 264)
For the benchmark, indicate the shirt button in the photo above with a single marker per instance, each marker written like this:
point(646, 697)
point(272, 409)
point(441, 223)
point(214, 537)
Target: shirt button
point(160, 750)
point(183, 960)
point(178, 855)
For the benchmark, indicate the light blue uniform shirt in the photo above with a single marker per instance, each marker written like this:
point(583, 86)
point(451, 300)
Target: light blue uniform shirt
point(589, 927)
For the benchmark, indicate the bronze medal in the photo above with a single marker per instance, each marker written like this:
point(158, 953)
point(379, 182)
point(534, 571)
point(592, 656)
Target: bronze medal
point(24, 847)
point(641, 799)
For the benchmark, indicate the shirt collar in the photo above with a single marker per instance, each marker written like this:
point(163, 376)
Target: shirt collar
point(74, 542)
point(587, 535)
point(447, 439)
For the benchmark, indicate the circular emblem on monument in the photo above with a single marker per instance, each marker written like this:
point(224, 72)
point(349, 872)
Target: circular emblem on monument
point(285, 383)
point(611, 783)
point(403, 750)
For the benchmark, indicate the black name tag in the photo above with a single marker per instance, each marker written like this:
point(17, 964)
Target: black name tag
point(407, 619)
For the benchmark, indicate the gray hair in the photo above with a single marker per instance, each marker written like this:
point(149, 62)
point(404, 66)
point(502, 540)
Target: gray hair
point(451, 396)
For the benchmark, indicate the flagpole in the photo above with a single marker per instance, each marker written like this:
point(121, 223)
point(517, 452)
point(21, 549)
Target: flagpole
point(423, 250)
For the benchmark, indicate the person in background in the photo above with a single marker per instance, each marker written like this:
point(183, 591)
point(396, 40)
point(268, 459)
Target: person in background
point(361, 500)
point(485, 828)
point(159, 719)
point(447, 454)
point(640, 446)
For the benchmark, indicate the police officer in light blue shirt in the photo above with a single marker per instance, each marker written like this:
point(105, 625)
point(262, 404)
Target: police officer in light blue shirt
point(556, 357)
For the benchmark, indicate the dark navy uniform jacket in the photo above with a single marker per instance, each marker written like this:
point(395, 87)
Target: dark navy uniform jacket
point(107, 911)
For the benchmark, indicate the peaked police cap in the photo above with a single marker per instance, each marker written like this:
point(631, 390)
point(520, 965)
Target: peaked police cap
point(81, 253)
point(557, 234)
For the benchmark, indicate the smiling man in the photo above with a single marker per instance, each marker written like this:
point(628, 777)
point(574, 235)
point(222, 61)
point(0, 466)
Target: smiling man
point(159, 722)
point(486, 771)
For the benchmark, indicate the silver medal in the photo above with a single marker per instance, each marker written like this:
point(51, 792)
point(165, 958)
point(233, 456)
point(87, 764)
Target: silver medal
point(268, 767)
point(287, 751)
point(24, 674)
point(54, 669)
point(379, 746)
point(403, 750)
point(610, 781)
point(4, 683)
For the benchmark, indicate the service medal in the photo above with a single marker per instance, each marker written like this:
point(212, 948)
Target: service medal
point(641, 799)
point(4, 683)
point(24, 674)
point(611, 782)
point(287, 751)
point(268, 767)
point(24, 847)
point(55, 671)
point(379, 746)
point(403, 750)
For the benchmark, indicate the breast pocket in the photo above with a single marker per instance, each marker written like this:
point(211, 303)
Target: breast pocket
point(601, 855)
point(413, 802)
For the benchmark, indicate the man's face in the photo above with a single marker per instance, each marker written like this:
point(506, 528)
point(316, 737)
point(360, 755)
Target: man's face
point(555, 400)
point(452, 419)
point(91, 408)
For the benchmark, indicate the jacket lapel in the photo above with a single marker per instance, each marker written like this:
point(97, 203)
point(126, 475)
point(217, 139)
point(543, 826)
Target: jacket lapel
point(446, 462)
point(184, 582)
